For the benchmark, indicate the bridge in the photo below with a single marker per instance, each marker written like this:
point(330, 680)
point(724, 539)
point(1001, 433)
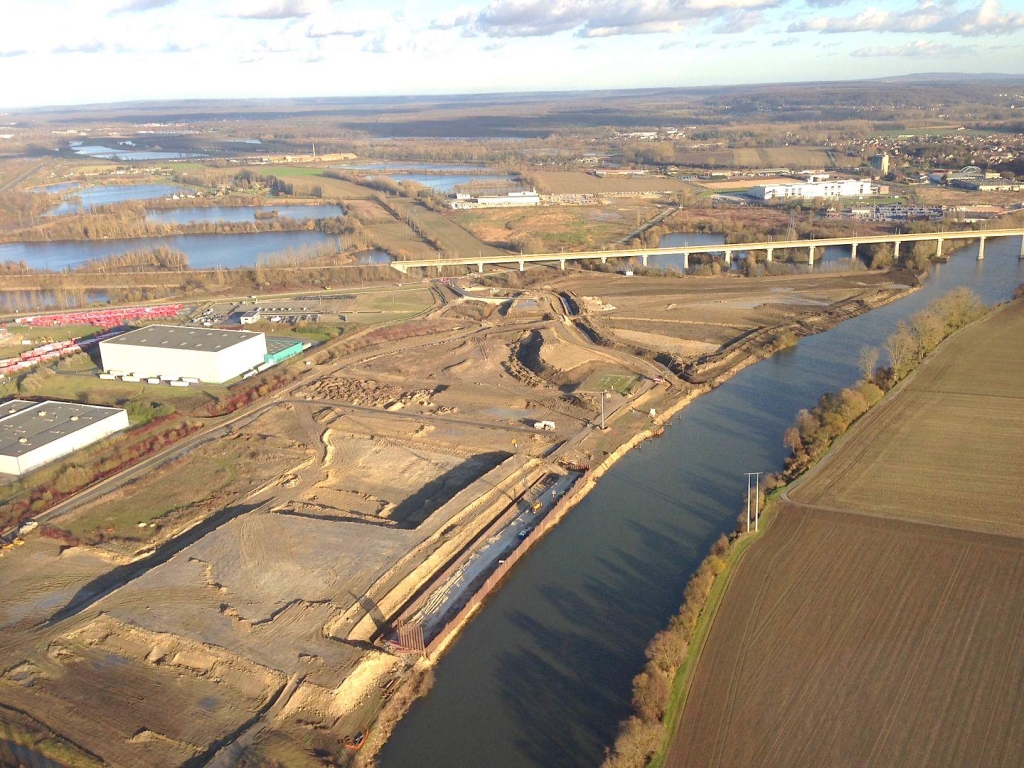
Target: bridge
point(728, 250)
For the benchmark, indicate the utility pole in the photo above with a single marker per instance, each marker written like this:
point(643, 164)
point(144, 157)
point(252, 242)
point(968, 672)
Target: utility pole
point(757, 498)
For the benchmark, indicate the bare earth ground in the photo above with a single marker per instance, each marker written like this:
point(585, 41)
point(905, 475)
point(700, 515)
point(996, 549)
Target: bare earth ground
point(879, 621)
point(261, 591)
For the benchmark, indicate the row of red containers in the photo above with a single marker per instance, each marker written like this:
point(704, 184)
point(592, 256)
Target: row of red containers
point(104, 318)
point(48, 352)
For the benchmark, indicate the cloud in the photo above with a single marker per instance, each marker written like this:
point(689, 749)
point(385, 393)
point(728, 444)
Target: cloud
point(785, 41)
point(95, 47)
point(285, 9)
point(919, 49)
point(735, 22)
point(141, 6)
point(12, 54)
point(928, 16)
point(343, 29)
point(180, 48)
point(261, 49)
point(826, 3)
point(603, 18)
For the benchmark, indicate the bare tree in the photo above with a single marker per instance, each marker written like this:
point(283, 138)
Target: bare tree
point(902, 347)
point(867, 361)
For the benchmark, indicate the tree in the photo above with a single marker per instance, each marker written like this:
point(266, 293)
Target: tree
point(902, 347)
point(929, 329)
point(867, 361)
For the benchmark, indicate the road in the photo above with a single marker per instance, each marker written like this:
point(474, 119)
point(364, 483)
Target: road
point(16, 181)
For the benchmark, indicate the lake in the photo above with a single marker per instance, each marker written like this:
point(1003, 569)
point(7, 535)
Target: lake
point(106, 195)
point(203, 251)
point(235, 214)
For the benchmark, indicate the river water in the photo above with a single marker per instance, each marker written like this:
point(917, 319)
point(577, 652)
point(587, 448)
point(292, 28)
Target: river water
point(673, 261)
point(542, 675)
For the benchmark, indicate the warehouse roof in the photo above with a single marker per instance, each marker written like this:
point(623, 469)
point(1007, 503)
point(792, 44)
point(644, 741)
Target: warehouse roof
point(26, 426)
point(182, 337)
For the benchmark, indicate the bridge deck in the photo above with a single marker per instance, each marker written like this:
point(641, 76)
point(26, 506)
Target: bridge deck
point(729, 248)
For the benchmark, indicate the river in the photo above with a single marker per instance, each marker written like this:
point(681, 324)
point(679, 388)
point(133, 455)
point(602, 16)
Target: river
point(542, 676)
point(830, 255)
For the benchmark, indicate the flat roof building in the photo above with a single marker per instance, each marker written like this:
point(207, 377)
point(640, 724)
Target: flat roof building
point(34, 434)
point(833, 188)
point(280, 348)
point(211, 355)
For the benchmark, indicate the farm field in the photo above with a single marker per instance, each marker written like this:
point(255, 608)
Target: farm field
point(449, 235)
point(570, 227)
point(851, 641)
point(580, 183)
point(879, 621)
point(960, 418)
point(796, 158)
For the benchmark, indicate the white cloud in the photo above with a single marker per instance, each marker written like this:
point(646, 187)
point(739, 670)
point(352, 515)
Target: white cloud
point(920, 49)
point(93, 47)
point(603, 18)
point(283, 9)
point(140, 6)
point(928, 16)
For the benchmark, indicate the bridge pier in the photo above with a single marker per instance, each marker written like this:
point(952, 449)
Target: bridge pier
point(853, 253)
point(810, 262)
point(561, 264)
point(768, 258)
point(938, 248)
point(981, 249)
point(1022, 247)
point(522, 265)
point(480, 267)
point(728, 258)
point(644, 259)
point(604, 259)
point(895, 251)
point(686, 259)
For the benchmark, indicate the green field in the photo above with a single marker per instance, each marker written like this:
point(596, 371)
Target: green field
point(605, 381)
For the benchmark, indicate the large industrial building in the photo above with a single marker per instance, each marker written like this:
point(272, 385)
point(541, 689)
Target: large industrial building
point(34, 434)
point(509, 200)
point(831, 188)
point(170, 352)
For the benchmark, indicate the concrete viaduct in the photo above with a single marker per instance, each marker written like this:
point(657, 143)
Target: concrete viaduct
point(686, 250)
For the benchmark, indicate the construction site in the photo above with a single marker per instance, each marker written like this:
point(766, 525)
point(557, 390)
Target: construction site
point(273, 583)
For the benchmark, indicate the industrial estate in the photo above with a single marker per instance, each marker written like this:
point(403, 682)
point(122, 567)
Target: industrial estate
point(287, 398)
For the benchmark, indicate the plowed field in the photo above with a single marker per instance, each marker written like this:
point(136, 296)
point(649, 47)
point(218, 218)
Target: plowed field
point(879, 621)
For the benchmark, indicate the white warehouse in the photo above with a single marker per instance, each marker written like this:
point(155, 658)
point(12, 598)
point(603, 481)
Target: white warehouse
point(833, 188)
point(34, 434)
point(210, 355)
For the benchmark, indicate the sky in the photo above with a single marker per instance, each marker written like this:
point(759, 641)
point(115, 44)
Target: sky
point(55, 52)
